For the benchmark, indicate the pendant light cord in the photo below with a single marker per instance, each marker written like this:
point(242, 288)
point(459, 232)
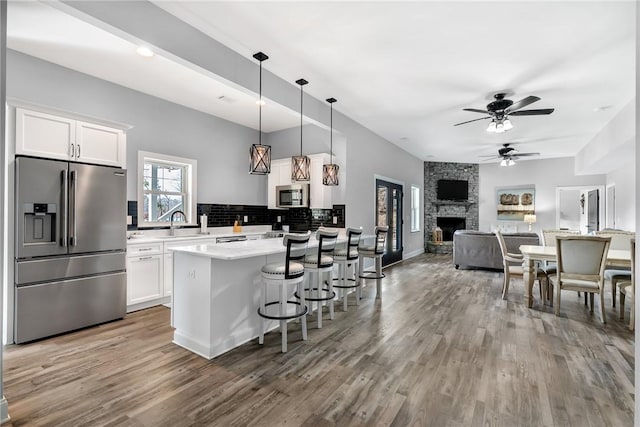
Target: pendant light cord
point(301, 90)
point(260, 109)
point(331, 138)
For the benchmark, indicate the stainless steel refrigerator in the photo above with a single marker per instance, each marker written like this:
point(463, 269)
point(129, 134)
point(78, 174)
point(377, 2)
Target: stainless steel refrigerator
point(69, 246)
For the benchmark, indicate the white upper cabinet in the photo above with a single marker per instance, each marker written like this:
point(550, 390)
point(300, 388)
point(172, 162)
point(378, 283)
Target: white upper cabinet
point(44, 135)
point(320, 195)
point(280, 175)
point(51, 136)
point(100, 144)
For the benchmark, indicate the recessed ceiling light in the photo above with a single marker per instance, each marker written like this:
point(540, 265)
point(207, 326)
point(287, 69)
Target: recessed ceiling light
point(602, 108)
point(144, 51)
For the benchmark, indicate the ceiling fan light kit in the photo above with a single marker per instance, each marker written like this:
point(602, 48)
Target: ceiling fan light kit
point(300, 165)
point(508, 155)
point(500, 110)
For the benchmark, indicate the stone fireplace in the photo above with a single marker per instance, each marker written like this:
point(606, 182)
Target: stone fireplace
point(449, 225)
point(449, 215)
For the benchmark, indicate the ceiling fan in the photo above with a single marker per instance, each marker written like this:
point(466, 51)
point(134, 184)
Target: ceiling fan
point(500, 110)
point(509, 155)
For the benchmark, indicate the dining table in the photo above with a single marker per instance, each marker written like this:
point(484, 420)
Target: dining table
point(534, 253)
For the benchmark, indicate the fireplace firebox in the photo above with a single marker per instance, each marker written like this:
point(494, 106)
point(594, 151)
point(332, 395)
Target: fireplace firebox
point(449, 225)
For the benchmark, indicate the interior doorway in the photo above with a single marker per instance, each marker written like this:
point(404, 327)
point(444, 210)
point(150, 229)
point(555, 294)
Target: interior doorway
point(389, 213)
point(573, 206)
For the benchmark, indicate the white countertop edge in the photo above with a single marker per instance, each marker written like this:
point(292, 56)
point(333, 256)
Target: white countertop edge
point(244, 249)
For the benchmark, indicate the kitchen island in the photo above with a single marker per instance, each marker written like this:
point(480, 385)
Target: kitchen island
point(216, 292)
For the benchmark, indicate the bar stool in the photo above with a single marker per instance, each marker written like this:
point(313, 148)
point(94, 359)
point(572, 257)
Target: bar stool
point(317, 265)
point(283, 275)
point(347, 258)
point(374, 251)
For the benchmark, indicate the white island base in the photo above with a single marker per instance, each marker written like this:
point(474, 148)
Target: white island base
point(216, 293)
point(215, 302)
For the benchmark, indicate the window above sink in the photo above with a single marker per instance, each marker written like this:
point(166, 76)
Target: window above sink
point(166, 184)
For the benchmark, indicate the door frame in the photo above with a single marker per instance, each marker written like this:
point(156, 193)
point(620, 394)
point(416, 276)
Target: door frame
point(582, 188)
point(377, 177)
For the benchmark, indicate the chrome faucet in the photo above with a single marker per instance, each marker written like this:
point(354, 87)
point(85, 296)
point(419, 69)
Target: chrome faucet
point(171, 227)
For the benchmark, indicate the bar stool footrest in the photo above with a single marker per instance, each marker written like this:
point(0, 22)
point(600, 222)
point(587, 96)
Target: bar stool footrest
point(289, 317)
point(310, 298)
point(346, 286)
point(371, 274)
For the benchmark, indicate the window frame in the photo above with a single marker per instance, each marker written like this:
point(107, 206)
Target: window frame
point(189, 179)
point(415, 209)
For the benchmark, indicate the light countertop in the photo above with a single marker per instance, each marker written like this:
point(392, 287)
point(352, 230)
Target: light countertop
point(182, 234)
point(248, 248)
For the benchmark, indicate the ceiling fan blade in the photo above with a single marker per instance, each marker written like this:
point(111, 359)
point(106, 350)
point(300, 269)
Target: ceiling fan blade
point(539, 112)
point(475, 110)
point(492, 158)
point(524, 154)
point(522, 103)
point(474, 120)
point(490, 155)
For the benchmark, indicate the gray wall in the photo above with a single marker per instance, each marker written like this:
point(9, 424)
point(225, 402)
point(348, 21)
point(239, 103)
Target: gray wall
point(220, 147)
point(368, 154)
point(545, 175)
point(362, 156)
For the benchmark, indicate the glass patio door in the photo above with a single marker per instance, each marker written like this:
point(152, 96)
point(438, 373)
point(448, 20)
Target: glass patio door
point(389, 212)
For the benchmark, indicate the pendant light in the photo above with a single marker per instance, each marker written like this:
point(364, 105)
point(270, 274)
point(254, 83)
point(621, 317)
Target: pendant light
point(300, 170)
point(330, 171)
point(260, 155)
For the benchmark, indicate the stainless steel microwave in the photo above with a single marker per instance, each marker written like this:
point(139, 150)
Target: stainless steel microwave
point(292, 196)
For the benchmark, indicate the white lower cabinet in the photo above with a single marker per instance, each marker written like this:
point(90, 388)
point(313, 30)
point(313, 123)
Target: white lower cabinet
point(144, 278)
point(150, 271)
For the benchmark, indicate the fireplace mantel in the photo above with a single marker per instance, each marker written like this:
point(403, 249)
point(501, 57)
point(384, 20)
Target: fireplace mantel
point(466, 204)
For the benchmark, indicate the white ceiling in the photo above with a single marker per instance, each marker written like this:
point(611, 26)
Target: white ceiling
point(40, 30)
point(403, 69)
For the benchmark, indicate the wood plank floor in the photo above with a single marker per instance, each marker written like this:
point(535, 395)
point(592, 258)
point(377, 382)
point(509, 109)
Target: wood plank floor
point(441, 349)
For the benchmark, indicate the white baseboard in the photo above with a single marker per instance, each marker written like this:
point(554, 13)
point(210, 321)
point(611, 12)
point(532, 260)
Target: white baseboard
point(412, 254)
point(4, 411)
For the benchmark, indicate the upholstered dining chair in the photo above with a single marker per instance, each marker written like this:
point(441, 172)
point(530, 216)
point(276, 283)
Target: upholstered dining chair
point(619, 240)
point(628, 288)
point(549, 267)
point(581, 263)
point(511, 270)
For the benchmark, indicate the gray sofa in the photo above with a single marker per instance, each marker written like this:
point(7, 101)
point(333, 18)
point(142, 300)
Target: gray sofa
point(478, 249)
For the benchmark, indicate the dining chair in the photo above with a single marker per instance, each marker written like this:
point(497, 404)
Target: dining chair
point(550, 267)
point(628, 288)
point(511, 270)
point(619, 240)
point(581, 262)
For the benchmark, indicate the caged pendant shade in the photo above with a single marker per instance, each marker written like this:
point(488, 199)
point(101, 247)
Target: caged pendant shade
point(300, 165)
point(330, 171)
point(260, 155)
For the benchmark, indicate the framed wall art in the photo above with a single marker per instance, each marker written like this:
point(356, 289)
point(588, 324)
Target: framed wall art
point(513, 203)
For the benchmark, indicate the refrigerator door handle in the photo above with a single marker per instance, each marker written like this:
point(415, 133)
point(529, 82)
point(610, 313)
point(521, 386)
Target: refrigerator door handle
point(64, 218)
point(73, 239)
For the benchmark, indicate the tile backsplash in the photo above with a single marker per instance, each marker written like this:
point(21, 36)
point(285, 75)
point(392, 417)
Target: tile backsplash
point(220, 215)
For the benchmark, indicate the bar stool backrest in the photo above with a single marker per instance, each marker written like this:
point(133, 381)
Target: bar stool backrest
point(381, 239)
point(296, 249)
point(326, 243)
point(353, 241)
